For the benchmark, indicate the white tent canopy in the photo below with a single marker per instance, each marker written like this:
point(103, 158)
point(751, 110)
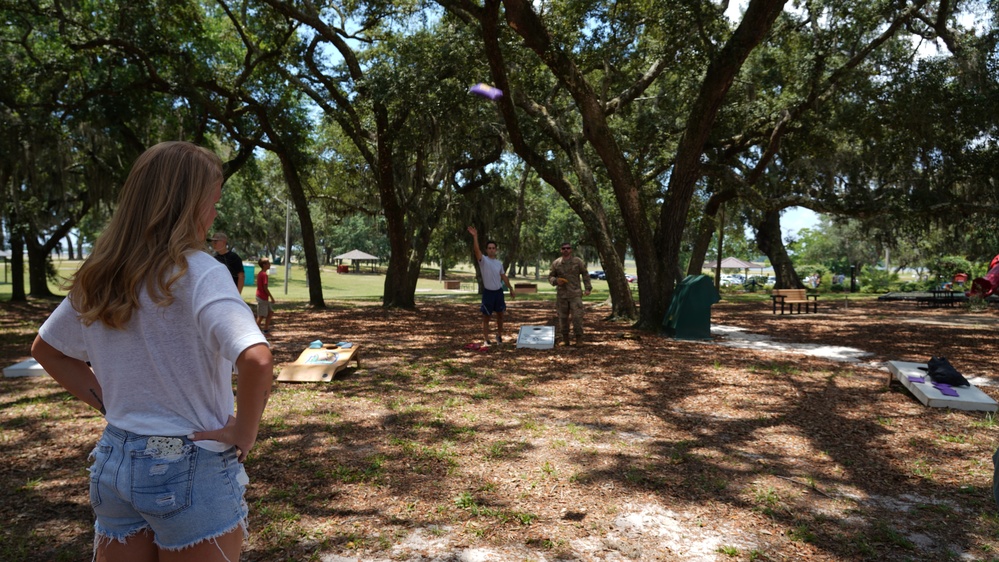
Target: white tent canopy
point(356, 257)
point(736, 263)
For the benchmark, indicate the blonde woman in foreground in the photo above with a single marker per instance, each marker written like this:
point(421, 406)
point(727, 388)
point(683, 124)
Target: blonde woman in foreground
point(161, 325)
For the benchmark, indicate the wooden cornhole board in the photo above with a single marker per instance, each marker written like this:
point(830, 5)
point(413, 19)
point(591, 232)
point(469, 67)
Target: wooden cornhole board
point(968, 398)
point(320, 364)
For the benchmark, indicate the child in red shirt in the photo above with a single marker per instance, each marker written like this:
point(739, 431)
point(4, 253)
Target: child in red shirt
point(265, 300)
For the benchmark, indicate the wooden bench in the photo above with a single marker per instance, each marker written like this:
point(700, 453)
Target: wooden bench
point(792, 297)
point(452, 285)
point(525, 287)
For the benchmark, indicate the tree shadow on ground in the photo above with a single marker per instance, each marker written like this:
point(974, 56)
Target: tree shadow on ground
point(793, 456)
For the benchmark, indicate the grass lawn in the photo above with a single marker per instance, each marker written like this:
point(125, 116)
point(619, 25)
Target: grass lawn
point(367, 285)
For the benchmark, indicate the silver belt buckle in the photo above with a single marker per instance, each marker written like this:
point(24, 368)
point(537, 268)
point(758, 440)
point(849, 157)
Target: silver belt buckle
point(165, 446)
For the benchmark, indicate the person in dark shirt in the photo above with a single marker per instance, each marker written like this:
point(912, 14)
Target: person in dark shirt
point(228, 258)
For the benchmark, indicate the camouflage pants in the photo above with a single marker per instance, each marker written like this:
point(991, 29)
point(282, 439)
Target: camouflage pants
point(569, 306)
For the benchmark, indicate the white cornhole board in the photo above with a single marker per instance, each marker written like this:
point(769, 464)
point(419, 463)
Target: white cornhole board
point(27, 368)
point(536, 337)
point(968, 398)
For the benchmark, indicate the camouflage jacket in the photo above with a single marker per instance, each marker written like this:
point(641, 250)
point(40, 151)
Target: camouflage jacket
point(572, 270)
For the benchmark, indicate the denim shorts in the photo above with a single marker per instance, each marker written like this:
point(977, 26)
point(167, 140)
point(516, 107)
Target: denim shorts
point(181, 492)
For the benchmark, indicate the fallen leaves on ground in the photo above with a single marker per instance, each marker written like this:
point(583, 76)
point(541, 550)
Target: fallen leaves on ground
point(630, 447)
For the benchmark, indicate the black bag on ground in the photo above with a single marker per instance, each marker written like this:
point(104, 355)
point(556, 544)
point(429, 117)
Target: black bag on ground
point(940, 370)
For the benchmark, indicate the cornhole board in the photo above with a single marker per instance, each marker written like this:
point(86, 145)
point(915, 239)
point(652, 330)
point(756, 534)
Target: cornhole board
point(968, 398)
point(320, 364)
point(536, 337)
point(27, 368)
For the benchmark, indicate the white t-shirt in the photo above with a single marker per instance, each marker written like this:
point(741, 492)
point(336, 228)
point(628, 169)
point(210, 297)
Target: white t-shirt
point(491, 270)
point(169, 370)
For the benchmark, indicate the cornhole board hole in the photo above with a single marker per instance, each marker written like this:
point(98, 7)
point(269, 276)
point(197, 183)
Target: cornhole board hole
point(320, 364)
point(536, 337)
point(27, 368)
point(968, 398)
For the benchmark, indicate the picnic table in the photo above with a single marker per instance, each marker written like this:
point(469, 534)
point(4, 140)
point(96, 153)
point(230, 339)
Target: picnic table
point(941, 297)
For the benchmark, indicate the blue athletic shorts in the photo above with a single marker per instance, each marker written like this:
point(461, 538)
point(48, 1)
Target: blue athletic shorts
point(181, 492)
point(492, 301)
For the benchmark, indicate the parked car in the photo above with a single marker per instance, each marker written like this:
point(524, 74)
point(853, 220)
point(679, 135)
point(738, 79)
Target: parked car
point(597, 275)
point(729, 280)
point(631, 278)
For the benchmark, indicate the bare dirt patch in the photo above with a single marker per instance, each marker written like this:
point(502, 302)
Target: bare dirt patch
point(633, 447)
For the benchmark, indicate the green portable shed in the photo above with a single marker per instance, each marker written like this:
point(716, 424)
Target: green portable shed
point(689, 314)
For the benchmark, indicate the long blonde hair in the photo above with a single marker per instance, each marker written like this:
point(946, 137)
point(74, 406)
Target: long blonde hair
point(158, 220)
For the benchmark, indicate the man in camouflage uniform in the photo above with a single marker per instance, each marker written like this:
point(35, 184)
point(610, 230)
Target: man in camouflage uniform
point(565, 274)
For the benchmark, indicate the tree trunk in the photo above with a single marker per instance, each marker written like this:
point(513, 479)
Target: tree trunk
point(584, 202)
point(313, 278)
point(621, 247)
point(622, 302)
point(38, 271)
point(17, 293)
point(405, 260)
point(657, 251)
point(397, 291)
point(513, 252)
point(706, 230)
point(758, 19)
point(400, 286)
point(768, 239)
point(39, 253)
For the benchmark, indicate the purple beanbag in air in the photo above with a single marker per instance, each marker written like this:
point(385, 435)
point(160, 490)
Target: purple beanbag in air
point(486, 91)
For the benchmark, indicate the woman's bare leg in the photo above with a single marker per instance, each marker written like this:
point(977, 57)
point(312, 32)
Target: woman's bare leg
point(222, 549)
point(139, 547)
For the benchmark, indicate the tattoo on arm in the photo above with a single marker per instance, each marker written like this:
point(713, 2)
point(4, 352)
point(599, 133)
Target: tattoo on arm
point(103, 411)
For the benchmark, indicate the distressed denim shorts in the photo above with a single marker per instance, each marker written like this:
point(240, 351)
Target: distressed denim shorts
point(183, 493)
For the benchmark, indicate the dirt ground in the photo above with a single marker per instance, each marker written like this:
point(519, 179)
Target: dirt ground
point(631, 447)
